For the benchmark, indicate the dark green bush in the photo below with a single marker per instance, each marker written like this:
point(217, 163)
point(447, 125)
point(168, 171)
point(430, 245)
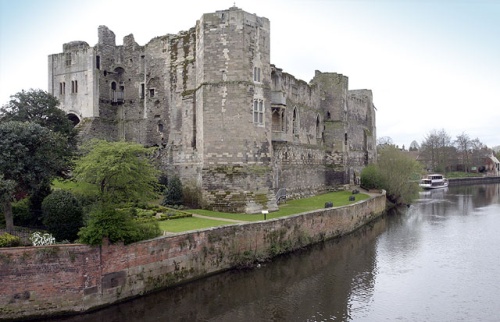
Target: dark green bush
point(117, 226)
point(371, 178)
point(21, 213)
point(62, 215)
point(146, 229)
point(173, 193)
point(191, 196)
point(7, 240)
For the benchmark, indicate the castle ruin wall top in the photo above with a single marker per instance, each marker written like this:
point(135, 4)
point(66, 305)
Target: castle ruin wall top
point(75, 45)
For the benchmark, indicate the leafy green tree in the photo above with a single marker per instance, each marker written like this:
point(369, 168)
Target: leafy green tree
point(396, 172)
point(123, 173)
point(31, 156)
point(121, 170)
point(400, 174)
point(370, 177)
point(173, 193)
point(40, 107)
point(62, 215)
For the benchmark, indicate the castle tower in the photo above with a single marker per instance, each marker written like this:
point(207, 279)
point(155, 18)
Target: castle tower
point(233, 103)
point(333, 105)
point(73, 80)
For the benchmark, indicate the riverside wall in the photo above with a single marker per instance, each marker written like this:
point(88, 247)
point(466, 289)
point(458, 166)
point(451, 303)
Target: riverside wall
point(70, 279)
point(473, 180)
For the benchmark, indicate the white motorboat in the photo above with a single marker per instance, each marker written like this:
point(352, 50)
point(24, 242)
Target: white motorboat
point(433, 181)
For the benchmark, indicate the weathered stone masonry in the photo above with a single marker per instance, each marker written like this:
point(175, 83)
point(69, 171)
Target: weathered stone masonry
point(231, 124)
point(49, 280)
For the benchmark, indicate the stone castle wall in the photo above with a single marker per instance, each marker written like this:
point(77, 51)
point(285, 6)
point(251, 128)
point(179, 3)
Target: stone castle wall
point(230, 124)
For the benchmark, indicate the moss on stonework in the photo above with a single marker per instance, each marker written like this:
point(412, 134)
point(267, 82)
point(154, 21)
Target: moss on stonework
point(188, 92)
point(261, 198)
point(238, 169)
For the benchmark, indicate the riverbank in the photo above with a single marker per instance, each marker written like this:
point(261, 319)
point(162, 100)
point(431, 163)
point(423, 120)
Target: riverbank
point(71, 279)
point(473, 180)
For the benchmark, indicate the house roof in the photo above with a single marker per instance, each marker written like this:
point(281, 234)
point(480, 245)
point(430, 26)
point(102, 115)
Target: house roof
point(494, 159)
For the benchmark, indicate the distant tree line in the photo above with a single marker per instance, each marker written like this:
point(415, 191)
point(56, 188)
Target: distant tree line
point(440, 153)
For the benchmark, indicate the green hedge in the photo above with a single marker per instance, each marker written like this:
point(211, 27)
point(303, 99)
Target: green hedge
point(8, 240)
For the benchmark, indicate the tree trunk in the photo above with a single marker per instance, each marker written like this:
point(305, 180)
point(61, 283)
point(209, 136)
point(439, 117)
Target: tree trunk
point(9, 219)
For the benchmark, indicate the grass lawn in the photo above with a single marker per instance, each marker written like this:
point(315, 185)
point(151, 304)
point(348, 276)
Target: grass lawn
point(291, 207)
point(462, 174)
point(77, 187)
point(191, 223)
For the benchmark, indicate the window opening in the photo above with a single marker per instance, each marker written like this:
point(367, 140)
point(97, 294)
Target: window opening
point(256, 74)
point(151, 92)
point(318, 130)
point(295, 121)
point(98, 62)
point(74, 87)
point(68, 59)
point(142, 91)
point(345, 138)
point(258, 111)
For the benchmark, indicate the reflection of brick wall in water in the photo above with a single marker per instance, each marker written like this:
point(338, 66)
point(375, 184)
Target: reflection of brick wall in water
point(220, 113)
point(45, 280)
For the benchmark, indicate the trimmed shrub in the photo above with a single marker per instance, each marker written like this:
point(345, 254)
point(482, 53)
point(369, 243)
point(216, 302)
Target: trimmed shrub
point(62, 215)
point(173, 193)
point(117, 226)
point(8, 240)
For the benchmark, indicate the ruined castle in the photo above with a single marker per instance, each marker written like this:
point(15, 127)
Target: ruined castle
point(230, 124)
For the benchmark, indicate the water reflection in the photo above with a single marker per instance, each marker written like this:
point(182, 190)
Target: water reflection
point(434, 261)
point(317, 283)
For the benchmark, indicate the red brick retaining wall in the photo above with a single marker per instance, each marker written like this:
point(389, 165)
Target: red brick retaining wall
point(50, 280)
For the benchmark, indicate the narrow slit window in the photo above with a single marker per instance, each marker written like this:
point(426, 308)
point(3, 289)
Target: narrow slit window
point(256, 74)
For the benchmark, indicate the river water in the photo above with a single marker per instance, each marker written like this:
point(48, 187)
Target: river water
point(437, 260)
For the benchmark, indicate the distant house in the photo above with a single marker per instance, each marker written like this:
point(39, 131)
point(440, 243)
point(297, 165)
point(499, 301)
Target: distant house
point(492, 165)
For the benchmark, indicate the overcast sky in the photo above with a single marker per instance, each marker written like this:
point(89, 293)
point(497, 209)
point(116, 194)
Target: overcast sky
point(432, 64)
